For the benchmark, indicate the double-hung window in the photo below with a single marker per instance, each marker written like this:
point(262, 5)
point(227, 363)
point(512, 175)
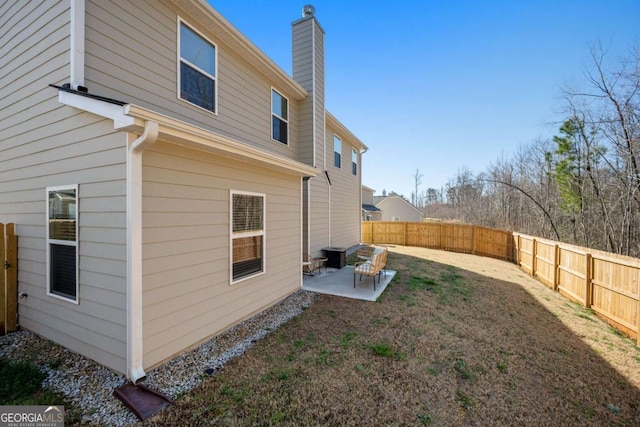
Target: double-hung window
point(247, 235)
point(354, 162)
point(197, 78)
point(279, 117)
point(337, 151)
point(62, 242)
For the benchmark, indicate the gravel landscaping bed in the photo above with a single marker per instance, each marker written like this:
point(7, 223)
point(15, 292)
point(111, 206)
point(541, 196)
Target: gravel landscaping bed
point(89, 385)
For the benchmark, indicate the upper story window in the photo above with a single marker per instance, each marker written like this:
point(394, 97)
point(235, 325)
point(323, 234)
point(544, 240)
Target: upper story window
point(279, 117)
point(337, 151)
point(62, 242)
point(197, 70)
point(354, 162)
point(247, 235)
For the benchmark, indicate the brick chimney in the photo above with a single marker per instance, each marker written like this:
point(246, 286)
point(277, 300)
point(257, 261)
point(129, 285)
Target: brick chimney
point(308, 71)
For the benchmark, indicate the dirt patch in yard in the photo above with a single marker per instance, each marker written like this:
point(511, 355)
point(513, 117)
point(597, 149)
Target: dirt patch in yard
point(454, 340)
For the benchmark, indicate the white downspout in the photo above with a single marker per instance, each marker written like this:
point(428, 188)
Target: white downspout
point(135, 369)
point(76, 38)
point(360, 169)
point(329, 207)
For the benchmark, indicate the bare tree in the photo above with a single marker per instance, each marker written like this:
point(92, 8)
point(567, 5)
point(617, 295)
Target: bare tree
point(417, 179)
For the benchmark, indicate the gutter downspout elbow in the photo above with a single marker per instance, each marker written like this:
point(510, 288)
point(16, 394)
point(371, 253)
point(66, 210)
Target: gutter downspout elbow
point(135, 368)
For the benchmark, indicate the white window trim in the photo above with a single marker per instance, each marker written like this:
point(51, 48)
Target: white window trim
point(273, 89)
point(179, 60)
point(50, 241)
point(335, 151)
point(233, 236)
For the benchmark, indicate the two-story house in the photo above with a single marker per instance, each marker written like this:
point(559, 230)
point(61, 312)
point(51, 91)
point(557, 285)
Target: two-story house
point(166, 177)
point(370, 212)
point(395, 207)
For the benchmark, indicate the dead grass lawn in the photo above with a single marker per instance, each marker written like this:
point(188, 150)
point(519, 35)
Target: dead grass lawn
point(455, 340)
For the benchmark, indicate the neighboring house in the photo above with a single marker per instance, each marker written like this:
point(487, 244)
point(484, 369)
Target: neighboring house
point(394, 207)
point(170, 182)
point(369, 211)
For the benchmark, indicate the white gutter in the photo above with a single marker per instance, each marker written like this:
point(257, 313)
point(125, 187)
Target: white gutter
point(135, 369)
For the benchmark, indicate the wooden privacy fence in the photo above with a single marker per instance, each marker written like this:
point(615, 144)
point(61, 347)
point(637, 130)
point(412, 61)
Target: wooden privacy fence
point(607, 283)
point(462, 238)
point(8, 279)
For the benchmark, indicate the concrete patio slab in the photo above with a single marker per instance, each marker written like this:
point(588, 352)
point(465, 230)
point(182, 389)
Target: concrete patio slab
point(340, 283)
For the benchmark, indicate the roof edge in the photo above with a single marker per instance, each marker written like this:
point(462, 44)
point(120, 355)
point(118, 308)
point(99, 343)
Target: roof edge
point(203, 11)
point(333, 121)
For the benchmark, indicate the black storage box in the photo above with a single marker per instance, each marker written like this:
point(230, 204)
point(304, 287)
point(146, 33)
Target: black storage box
point(336, 257)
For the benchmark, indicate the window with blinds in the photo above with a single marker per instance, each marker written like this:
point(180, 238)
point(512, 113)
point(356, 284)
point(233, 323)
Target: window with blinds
point(247, 235)
point(62, 242)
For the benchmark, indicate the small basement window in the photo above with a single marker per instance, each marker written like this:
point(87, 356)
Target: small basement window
point(62, 242)
point(247, 235)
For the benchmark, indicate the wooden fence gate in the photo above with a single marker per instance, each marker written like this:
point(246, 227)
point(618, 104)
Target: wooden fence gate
point(8, 279)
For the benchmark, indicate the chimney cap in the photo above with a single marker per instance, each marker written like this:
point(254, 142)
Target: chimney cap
point(308, 10)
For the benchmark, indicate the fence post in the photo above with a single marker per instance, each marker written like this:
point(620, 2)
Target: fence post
point(534, 247)
point(12, 279)
point(404, 234)
point(556, 267)
point(3, 292)
point(638, 320)
point(587, 280)
point(473, 239)
point(373, 240)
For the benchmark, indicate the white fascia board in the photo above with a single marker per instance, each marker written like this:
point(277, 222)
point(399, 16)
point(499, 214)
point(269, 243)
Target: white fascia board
point(100, 108)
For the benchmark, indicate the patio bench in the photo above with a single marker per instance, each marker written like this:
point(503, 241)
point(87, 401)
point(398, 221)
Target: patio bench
point(376, 261)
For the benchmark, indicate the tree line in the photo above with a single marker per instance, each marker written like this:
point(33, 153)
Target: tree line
point(582, 186)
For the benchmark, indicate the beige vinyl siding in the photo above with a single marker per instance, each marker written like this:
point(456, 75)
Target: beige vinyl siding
point(395, 207)
point(321, 149)
point(308, 71)
point(303, 74)
point(187, 297)
point(367, 194)
point(319, 232)
point(345, 200)
point(47, 156)
point(46, 144)
point(131, 55)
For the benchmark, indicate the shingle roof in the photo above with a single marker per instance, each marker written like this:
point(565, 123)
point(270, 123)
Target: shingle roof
point(370, 208)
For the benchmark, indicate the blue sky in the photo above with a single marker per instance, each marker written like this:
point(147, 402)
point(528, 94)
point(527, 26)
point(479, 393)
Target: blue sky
point(441, 85)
